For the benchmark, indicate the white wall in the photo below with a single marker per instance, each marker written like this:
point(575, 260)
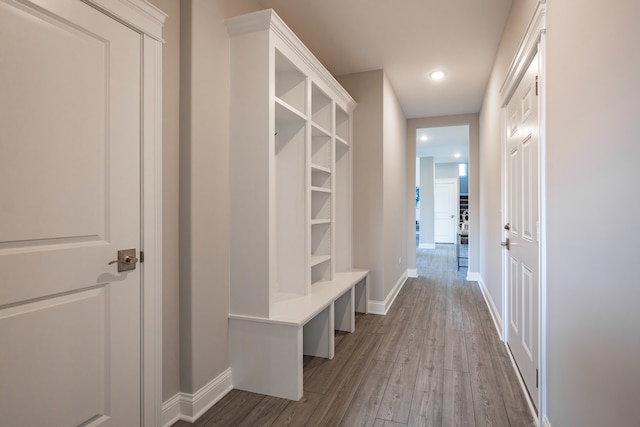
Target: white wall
point(447, 170)
point(204, 188)
point(379, 181)
point(592, 85)
point(490, 260)
point(593, 149)
point(368, 240)
point(395, 184)
point(427, 202)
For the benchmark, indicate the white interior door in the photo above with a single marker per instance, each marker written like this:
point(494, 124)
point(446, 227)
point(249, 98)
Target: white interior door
point(445, 199)
point(69, 200)
point(522, 168)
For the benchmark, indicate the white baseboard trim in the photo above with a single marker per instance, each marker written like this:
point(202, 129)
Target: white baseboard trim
point(412, 272)
point(545, 422)
point(495, 315)
point(381, 307)
point(189, 407)
point(427, 246)
point(473, 276)
point(171, 411)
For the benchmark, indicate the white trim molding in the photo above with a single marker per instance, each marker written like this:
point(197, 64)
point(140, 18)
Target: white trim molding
point(546, 422)
point(189, 407)
point(427, 246)
point(151, 329)
point(527, 50)
point(268, 18)
point(382, 307)
point(171, 411)
point(495, 314)
point(140, 14)
point(412, 272)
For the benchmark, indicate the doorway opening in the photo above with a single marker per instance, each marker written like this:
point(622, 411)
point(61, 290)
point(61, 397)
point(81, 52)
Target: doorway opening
point(442, 188)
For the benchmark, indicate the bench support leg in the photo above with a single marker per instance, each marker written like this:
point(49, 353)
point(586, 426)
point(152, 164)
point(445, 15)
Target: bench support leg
point(266, 358)
point(318, 335)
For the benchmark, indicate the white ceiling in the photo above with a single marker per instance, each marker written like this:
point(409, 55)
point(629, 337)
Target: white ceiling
point(407, 39)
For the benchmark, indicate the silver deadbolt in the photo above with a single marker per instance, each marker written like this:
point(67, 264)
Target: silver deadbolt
point(126, 260)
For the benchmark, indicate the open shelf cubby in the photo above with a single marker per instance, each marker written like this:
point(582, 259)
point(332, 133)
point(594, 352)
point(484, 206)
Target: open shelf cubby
point(321, 239)
point(343, 128)
point(321, 272)
point(320, 205)
point(290, 83)
point(320, 178)
point(342, 202)
point(320, 148)
point(290, 222)
point(320, 108)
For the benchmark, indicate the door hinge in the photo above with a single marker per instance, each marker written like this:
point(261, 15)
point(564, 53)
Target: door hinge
point(536, 85)
point(141, 256)
point(537, 378)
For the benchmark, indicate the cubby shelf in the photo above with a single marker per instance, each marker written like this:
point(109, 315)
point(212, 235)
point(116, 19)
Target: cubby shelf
point(292, 281)
point(321, 189)
point(318, 168)
point(319, 259)
point(286, 113)
point(341, 141)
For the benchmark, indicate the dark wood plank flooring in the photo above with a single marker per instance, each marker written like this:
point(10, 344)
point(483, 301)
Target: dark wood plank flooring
point(434, 360)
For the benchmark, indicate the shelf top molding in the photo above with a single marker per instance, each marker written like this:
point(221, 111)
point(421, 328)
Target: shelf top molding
point(268, 19)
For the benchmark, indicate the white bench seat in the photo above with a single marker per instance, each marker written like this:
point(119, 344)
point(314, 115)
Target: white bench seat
point(266, 353)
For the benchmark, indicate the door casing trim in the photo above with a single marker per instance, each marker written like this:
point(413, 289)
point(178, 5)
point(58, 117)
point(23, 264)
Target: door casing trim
point(148, 21)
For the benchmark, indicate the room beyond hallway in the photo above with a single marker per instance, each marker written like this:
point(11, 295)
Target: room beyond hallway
point(434, 360)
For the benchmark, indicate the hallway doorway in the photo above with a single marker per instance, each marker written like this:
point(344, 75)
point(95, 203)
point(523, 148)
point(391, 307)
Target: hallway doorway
point(442, 184)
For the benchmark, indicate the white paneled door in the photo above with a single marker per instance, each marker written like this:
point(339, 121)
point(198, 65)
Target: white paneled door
point(521, 270)
point(70, 111)
point(445, 199)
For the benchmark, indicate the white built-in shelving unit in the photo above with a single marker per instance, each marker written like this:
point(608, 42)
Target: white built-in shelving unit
point(292, 281)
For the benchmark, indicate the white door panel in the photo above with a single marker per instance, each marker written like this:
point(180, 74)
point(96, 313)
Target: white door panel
point(522, 215)
point(69, 200)
point(445, 208)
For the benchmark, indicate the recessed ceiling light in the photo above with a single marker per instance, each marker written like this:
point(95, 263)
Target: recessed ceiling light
point(423, 138)
point(437, 75)
point(457, 155)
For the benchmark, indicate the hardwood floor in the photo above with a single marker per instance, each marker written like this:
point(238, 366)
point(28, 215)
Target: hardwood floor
point(434, 360)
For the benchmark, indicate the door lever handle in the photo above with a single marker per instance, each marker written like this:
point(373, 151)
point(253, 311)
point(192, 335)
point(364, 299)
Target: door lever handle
point(506, 244)
point(126, 260)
